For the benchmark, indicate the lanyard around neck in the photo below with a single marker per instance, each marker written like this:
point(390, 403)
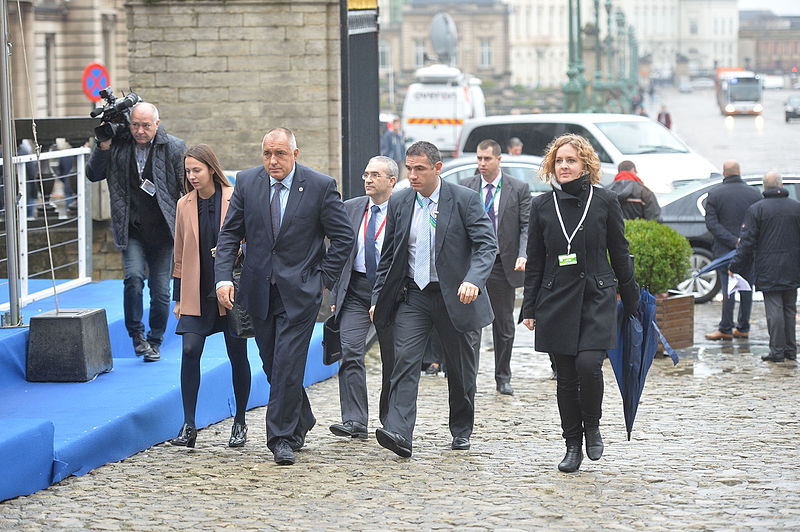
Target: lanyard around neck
point(494, 197)
point(580, 222)
point(380, 229)
point(431, 217)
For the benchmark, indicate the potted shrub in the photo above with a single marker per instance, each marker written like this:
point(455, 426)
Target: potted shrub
point(661, 261)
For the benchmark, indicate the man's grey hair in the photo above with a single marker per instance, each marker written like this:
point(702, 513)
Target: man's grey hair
point(427, 149)
point(391, 166)
point(150, 107)
point(772, 180)
point(285, 132)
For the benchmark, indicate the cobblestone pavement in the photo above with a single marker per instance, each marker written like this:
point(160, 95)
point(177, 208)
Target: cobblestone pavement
point(714, 448)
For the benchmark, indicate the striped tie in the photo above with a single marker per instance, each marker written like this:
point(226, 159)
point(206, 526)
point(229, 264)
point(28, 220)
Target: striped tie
point(422, 262)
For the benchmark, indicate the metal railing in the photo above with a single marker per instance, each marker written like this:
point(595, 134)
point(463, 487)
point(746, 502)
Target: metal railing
point(27, 211)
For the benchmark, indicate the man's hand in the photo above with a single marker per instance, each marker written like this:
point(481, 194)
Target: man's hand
point(467, 293)
point(177, 310)
point(225, 296)
point(372, 313)
point(530, 323)
point(520, 264)
point(105, 145)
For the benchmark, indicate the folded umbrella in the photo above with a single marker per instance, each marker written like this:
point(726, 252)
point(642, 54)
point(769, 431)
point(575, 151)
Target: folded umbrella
point(719, 262)
point(637, 342)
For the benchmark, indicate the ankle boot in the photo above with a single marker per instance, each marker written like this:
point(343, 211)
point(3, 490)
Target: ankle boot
point(572, 460)
point(594, 443)
point(186, 437)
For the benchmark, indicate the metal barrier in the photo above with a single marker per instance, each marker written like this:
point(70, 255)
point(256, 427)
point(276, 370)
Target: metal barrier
point(26, 211)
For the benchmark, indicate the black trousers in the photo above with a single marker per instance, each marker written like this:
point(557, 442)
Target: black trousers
point(417, 316)
point(354, 324)
point(501, 296)
point(781, 310)
point(579, 391)
point(283, 347)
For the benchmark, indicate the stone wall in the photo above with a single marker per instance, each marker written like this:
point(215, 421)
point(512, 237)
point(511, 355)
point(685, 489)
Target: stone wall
point(224, 72)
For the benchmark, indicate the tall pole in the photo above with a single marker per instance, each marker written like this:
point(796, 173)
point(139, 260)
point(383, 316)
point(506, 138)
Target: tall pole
point(13, 317)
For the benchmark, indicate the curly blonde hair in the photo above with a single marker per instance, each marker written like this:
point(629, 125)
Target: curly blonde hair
point(586, 153)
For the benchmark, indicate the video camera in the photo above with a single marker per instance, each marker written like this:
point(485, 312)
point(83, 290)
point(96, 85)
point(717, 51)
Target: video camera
point(115, 115)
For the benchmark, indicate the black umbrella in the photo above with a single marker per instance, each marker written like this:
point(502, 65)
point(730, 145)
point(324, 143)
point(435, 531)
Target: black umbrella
point(637, 342)
point(719, 262)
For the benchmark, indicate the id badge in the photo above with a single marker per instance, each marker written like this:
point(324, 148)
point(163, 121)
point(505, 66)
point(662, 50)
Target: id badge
point(148, 187)
point(567, 259)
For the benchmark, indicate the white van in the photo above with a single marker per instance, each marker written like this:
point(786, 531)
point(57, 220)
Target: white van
point(662, 160)
point(437, 105)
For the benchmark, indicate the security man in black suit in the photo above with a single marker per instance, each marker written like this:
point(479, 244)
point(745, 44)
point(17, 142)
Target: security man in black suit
point(352, 297)
point(284, 211)
point(507, 201)
point(437, 254)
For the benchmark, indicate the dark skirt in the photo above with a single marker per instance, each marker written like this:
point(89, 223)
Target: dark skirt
point(208, 323)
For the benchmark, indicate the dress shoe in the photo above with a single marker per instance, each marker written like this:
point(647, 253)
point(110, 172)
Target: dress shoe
point(350, 429)
point(594, 443)
point(186, 437)
point(154, 354)
point(718, 335)
point(238, 435)
point(394, 442)
point(140, 345)
point(572, 460)
point(460, 443)
point(739, 334)
point(283, 453)
point(505, 388)
point(790, 356)
point(773, 358)
point(432, 369)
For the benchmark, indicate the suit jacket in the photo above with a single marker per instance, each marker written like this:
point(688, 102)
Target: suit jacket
point(355, 208)
point(187, 254)
point(466, 249)
point(725, 208)
point(512, 223)
point(295, 259)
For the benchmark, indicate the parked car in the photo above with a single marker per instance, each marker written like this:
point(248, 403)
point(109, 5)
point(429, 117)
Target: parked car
point(660, 157)
point(791, 107)
point(522, 167)
point(684, 210)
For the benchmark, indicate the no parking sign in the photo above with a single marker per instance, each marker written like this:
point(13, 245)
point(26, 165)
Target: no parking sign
point(95, 79)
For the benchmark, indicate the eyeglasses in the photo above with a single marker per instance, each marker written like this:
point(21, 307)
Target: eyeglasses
point(147, 126)
point(373, 175)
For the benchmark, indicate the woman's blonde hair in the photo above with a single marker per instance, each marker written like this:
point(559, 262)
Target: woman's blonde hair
point(586, 153)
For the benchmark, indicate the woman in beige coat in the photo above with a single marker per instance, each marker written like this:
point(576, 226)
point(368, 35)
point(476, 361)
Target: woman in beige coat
point(200, 214)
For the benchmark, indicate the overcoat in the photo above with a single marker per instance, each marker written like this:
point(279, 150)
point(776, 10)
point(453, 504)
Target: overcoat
point(575, 306)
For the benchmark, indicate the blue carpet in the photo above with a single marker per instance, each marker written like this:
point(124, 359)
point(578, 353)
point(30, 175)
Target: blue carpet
point(49, 431)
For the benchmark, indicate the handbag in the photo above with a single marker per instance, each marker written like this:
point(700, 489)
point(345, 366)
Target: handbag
point(239, 320)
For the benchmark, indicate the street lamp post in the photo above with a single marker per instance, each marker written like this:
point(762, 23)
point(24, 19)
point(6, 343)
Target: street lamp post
point(575, 89)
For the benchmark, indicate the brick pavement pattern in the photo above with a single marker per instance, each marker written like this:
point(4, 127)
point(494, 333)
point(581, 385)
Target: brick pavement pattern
point(714, 447)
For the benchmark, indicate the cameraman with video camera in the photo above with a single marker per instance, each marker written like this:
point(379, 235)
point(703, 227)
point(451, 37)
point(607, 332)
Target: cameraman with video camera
point(144, 168)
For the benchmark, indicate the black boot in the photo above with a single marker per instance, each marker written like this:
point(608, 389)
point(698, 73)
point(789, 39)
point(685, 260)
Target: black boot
point(572, 460)
point(594, 443)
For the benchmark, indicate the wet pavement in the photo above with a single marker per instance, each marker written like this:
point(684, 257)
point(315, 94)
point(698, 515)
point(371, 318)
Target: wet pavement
point(714, 447)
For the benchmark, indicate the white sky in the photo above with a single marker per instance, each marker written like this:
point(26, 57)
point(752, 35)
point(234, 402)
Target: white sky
point(779, 7)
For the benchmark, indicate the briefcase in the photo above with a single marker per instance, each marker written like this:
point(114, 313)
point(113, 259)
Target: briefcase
point(331, 341)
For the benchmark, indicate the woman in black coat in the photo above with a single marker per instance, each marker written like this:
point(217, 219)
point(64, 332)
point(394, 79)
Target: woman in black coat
point(571, 289)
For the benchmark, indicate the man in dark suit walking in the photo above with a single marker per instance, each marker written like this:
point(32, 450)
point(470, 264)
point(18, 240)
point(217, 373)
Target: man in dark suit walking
point(726, 206)
point(507, 202)
point(437, 254)
point(352, 297)
point(284, 211)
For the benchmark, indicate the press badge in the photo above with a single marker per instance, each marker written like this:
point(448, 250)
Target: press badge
point(148, 187)
point(568, 259)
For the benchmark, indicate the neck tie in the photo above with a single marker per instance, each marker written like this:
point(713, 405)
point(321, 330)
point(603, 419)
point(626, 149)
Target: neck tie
point(275, 209)
point(371, 244)
point(422, 262)
point(489, 205)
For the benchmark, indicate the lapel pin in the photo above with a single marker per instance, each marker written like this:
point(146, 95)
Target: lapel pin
point(300, 189)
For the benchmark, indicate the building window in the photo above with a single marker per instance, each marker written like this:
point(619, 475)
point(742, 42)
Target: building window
point(419, 53)
point(486, 53)
point(50, 72)
point(693, 27)
point(384, 59)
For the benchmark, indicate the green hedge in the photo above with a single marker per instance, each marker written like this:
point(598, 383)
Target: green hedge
point(661, 255)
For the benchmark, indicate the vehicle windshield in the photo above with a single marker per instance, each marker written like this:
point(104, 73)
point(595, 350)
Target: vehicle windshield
point(744, 90)
point(636, 138)
point(793, 100)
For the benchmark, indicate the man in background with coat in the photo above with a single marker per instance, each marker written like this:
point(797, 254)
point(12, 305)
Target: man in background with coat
point(725, 208)
point(507, 202)
point(770, 238)
point(284, 211)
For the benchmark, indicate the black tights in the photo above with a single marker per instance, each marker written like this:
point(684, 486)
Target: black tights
point(190, 373)
point(579, 390)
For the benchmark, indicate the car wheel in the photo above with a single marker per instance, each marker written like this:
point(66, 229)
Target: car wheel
point(702, 287)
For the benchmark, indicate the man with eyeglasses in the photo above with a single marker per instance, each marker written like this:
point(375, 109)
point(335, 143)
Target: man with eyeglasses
point(144, 169)
point(351, 299)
